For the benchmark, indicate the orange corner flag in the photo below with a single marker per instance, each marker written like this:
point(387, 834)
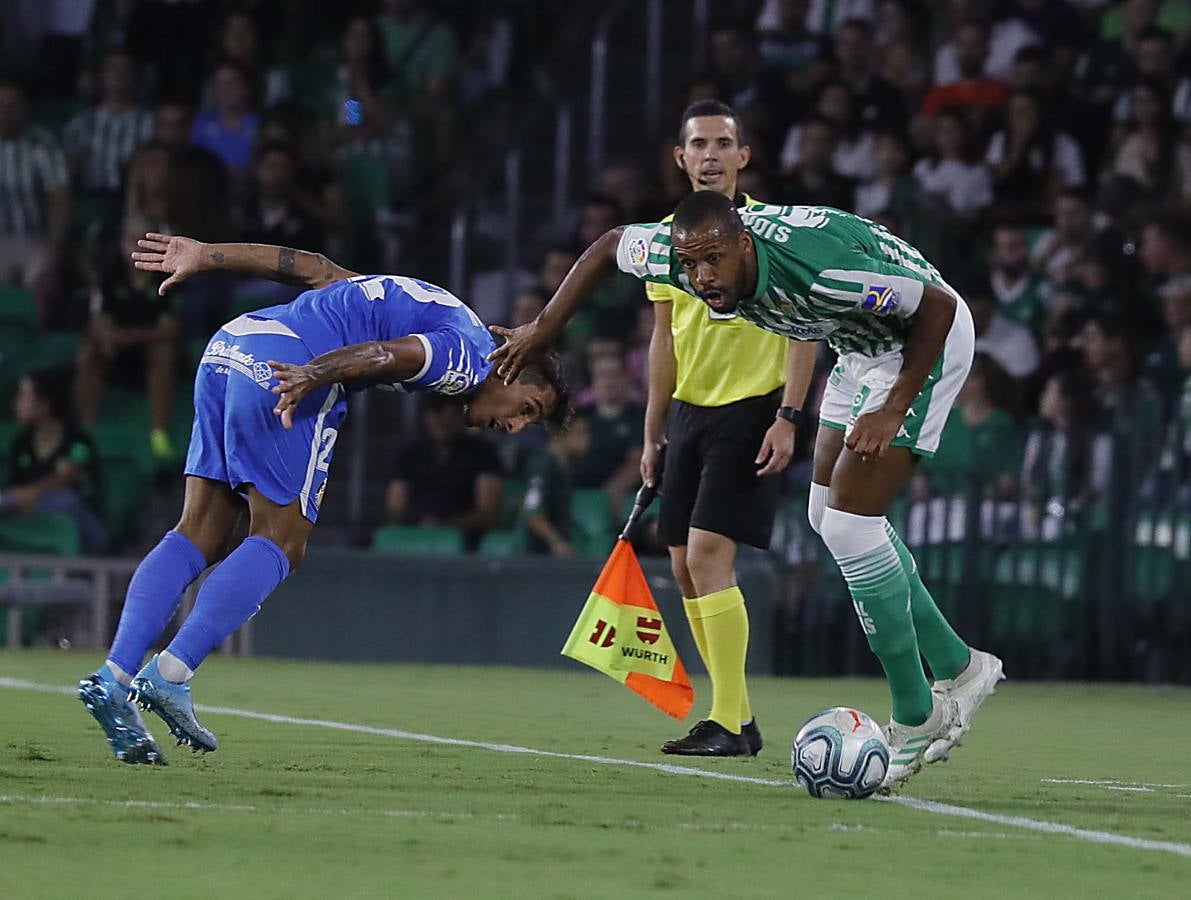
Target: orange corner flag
point(620, 632)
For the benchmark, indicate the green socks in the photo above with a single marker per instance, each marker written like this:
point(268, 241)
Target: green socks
point(945, 652)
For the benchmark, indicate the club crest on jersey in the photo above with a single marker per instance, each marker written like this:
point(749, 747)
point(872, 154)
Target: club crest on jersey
point(262, 372)
point(638, 252)
point(451, 383)
point(881, 299)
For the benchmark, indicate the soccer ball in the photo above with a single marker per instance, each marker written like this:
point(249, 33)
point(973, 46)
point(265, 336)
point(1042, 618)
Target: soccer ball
point(840, 752)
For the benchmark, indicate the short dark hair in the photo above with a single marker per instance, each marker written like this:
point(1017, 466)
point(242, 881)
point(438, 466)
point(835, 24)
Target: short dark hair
point(702, 108)
point(52, 387)
point(281, 147)
point(1156, 32)
point(1075, 192)
point(548, 371)
point(855, 23)
point(1173, 224)
point(707, 208)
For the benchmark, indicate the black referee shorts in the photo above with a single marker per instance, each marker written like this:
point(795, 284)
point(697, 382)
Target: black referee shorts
point(710, 477)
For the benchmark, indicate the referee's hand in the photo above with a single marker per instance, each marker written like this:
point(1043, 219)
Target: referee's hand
point(777, 449)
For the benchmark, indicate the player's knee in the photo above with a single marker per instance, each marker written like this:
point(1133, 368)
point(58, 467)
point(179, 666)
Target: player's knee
point(847, 534)
point(294, 550)
point(682, 576)
point(710, 571)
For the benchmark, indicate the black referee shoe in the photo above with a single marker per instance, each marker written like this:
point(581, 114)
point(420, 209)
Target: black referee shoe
point(708, 738)
point(752, 734)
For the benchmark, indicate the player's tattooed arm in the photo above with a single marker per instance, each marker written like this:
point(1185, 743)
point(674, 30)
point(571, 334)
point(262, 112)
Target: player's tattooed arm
point(531, 341)
point(284, 264)
point(371, 361)
point(180, 257)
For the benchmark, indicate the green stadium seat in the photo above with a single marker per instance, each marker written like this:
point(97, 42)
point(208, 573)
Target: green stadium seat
point(53, 533)
point(1056, 567)
point(52, 350)
point(124, 490)
point(591, 532)
point(511, 499)
point(125, 442)
point(17, 305)
point(366, 184)
point(1161, 556)
point(54, 113)
point(503, 542)
point(417, 539)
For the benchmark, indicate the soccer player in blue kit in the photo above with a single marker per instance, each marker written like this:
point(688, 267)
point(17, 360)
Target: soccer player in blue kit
point(269, 397)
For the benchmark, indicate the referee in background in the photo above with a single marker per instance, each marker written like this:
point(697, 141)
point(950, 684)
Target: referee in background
point(717, 403)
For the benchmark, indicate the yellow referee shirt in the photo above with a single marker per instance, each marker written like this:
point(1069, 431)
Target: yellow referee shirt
point(721, 358)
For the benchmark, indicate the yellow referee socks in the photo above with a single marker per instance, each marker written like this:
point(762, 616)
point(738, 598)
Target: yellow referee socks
point(691, 605)
point(724, 624)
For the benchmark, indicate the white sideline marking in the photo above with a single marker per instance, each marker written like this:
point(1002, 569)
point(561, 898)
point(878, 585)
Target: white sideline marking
point(46, 800)
point(192, 806)
point(1110, 783)
point(943, 809)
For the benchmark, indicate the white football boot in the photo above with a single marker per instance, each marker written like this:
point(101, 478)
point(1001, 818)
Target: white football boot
point(908, 743)
point(969, 689)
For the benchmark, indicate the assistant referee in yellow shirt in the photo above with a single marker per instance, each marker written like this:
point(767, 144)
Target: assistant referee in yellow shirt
point(717, 402)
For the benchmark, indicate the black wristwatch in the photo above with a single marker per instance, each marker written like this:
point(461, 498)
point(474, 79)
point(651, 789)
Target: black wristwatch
point(791, 415)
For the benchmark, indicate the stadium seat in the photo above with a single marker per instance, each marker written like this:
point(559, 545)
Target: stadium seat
point(125, 441)
point(53, 533)
point(1161, 556)
point(591, 533)
point(416, 539)
point(366, 184)
point(17, 305)
point(52, 350)
point(503, 542)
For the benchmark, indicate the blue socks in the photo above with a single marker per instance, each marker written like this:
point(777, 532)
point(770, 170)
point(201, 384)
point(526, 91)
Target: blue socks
point(229, 597)
point(153, 594)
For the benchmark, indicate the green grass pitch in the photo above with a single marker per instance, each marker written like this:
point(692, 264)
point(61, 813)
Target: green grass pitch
point(289, 809)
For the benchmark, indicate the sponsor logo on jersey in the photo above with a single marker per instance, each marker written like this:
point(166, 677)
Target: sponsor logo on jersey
point(807, 331)
point(638, 252)
point(245, 363)
point(224, 350)
point(881, 299)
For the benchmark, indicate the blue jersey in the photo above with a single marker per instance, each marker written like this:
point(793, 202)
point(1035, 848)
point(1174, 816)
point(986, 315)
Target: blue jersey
point(386, 307)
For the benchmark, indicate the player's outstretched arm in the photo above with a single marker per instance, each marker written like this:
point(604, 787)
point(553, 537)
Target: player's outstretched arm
point(873, 432)
point(180, 257)
point(396, 360)
point(532, 340)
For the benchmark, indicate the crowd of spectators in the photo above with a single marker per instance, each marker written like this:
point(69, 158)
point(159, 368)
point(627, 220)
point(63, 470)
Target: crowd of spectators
point(1037, 151)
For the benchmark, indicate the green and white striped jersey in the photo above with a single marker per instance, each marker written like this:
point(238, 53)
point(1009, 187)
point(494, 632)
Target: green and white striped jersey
point(822, 274)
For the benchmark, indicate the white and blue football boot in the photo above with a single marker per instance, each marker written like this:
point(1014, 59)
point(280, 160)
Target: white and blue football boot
point(172, 703)
point(107, 701)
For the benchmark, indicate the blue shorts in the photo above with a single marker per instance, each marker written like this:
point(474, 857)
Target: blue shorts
point(238, 440)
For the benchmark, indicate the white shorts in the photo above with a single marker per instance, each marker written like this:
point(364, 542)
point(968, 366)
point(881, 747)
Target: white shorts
point(860, 384)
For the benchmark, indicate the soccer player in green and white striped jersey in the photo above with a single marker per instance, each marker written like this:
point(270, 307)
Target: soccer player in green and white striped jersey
point(34, 199)
point(905, 343)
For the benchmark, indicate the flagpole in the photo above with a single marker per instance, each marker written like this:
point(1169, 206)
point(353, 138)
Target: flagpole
point(644, 498)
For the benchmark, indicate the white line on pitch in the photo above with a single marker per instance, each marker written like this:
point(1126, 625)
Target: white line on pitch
point(944, 809)
point(192, 806)
point(1109, 782)
point(46, 800)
